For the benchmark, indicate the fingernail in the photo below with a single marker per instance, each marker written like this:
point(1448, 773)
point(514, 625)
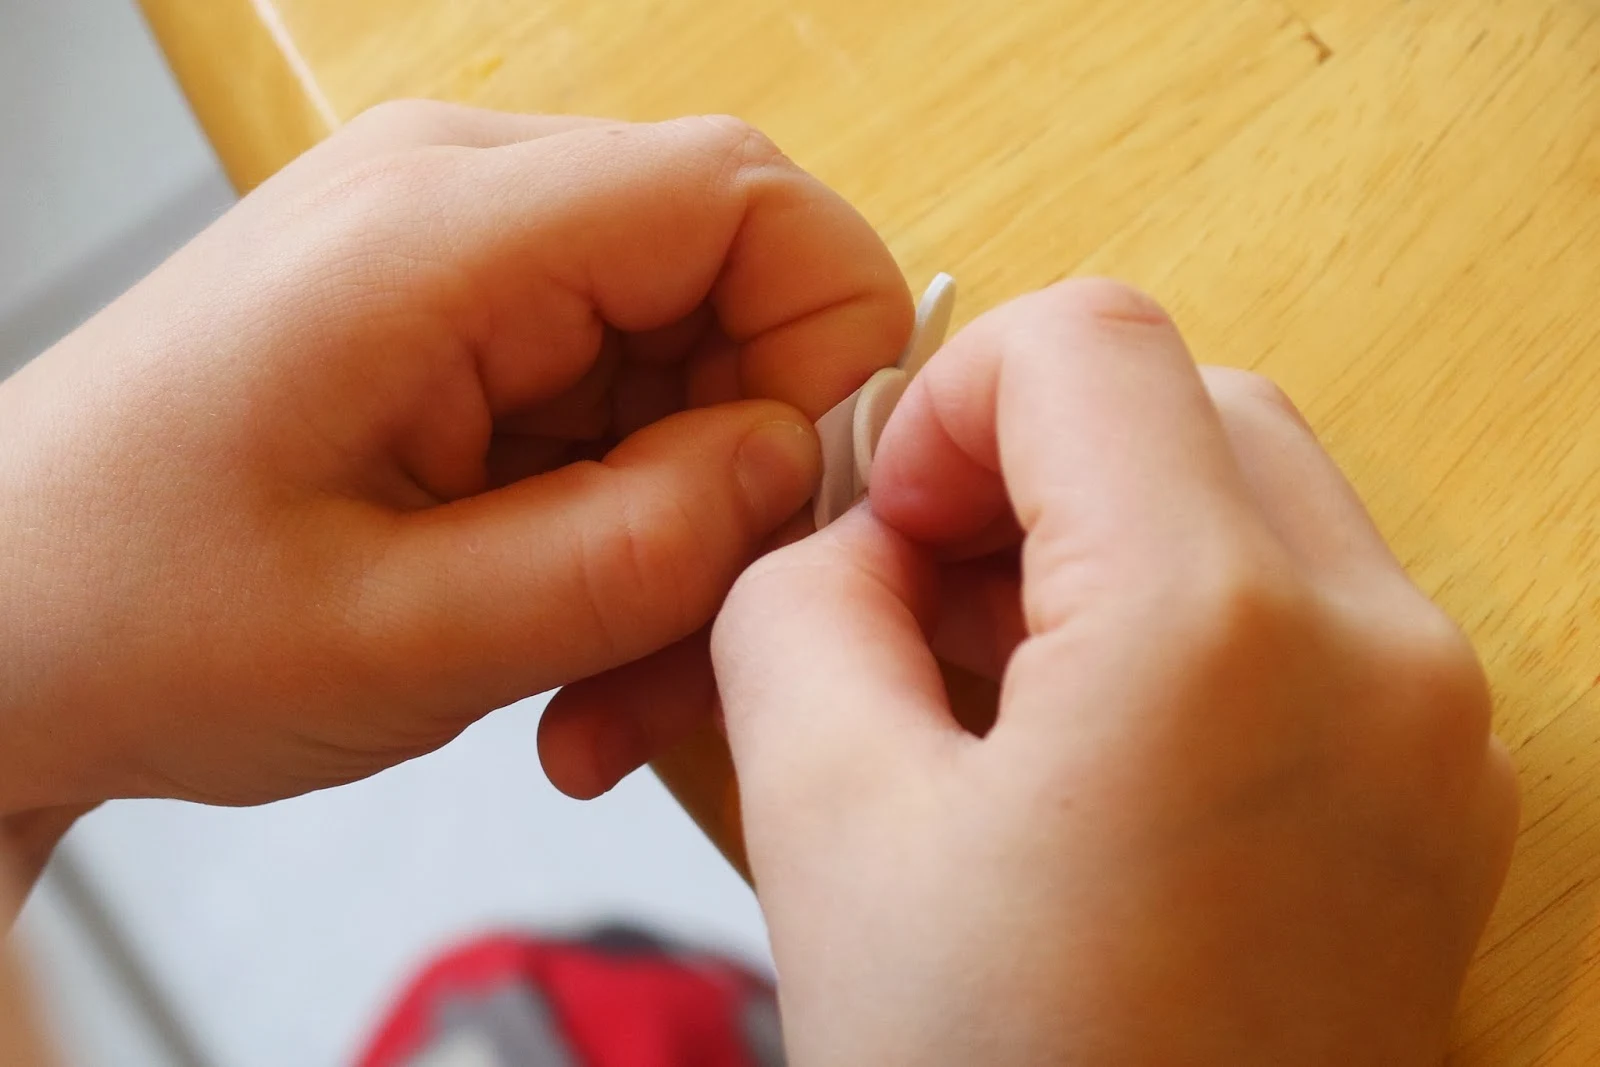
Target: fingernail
point(778, 466)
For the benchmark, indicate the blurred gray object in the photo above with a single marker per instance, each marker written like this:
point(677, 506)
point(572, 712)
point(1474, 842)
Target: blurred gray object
point(102, 170)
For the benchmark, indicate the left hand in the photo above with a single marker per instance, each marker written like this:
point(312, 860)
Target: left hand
point(313, 497)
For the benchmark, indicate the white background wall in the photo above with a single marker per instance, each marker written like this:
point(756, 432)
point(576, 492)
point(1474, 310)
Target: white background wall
point(276, 933)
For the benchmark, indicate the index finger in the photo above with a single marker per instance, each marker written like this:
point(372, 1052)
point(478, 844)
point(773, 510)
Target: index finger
point(1079, 409)
point(531, 249)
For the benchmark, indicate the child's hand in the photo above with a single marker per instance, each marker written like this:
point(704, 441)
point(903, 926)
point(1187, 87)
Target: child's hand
point(1241, 805)
point(307, 501)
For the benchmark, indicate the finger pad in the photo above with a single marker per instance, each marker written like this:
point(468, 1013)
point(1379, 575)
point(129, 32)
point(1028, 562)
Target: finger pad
point(927, 487)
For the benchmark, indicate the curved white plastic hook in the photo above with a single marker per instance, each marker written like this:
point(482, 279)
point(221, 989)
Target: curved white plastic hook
point(851, 428)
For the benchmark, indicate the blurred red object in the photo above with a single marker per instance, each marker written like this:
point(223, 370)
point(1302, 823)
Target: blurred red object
point(616, 998)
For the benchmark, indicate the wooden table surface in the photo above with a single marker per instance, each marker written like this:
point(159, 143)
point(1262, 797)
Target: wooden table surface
point(1390, 206)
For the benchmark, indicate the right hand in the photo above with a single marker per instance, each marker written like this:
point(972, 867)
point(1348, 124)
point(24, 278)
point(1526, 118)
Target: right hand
point(1241, 804)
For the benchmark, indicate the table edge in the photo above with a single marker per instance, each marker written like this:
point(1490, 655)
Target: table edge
point(256, 121)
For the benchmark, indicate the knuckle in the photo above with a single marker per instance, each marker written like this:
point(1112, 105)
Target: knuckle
point(358, 249)
point(734, 145)
point(373, 186)
point(1250, 605)
point(759, 585)
point(390, 151)
point(753, 579)
point(1442, 680)
point(1239, 609)
point(795, 578)
point(653, 560)
point(743, 140)
point(738, 607)
point(1077, 307)
point(405, 122)
point(1062, 576)
point(1102, 302)
point(1502, 787)
point(1231, 387)
point(1237, 629)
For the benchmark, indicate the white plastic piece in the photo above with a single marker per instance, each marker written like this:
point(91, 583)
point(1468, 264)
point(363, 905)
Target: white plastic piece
point(877, 400)
point(836, 492)
point(938, 303)
point(851, 429)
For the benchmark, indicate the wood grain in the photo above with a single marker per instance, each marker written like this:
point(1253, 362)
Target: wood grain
point(250, 91)
point(1390, 206)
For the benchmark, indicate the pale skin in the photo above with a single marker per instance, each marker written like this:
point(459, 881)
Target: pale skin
point(306, 502)
point(1241, 804)
point(464, 406)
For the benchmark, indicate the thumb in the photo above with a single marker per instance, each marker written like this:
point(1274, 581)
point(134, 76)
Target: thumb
point(828, 686)
point(557, 577)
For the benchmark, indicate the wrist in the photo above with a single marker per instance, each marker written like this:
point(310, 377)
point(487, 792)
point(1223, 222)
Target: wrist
point(47, 763)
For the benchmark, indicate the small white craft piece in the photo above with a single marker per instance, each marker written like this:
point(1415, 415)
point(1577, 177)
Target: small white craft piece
point(851, 428)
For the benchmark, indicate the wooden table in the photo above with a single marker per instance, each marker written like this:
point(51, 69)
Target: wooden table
point(1390, 206)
